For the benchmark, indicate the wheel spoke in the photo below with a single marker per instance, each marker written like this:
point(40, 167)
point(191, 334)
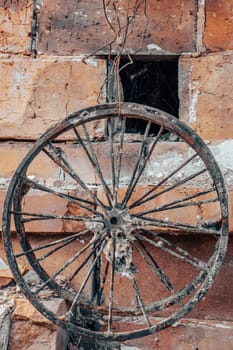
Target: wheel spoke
point(153, 265)
point(74, 274)
point(141, 163)
point(51, 244)
point(93, 160)
point(111, 289)
point(45, 256)
point(40, 216)
point(172, 187)
point(185, 199)
point(174, 250)
point(112, 156)
point(35, 185)
point(148, 221)
point(189, 204)
point(119, 160)
point(68, 263)
point(96, 277)
point(140, 301)
point(90, 270)
point(56, 155)
point(181, 203)
point(138, 161)
point(143, 199)
point(100, 294)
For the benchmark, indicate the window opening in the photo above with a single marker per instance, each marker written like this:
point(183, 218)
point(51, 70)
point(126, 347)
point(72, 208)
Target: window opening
point(153, 83)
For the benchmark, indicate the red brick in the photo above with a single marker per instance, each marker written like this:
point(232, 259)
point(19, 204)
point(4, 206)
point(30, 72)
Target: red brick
point(15, 26)
point(206, 93)
point(218, 35)
point(70, 28)
point(36, 93)
point(42, 167)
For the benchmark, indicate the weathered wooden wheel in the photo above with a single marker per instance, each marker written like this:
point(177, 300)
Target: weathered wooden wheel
point(135, 202)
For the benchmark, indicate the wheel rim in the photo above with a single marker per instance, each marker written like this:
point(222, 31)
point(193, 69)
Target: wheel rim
point(128, 222)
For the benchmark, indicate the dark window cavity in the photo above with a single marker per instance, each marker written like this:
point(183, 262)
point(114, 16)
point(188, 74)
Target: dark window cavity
point(153, 83)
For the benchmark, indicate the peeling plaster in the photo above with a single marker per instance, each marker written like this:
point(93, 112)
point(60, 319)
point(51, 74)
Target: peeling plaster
point(193, 102)
point(154, 47)
point(92, 62)
point(209, 324)
point(223, 154)
point(160, 166)
point(4, 182)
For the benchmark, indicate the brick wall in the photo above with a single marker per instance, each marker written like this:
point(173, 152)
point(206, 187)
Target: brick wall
point(43, 78)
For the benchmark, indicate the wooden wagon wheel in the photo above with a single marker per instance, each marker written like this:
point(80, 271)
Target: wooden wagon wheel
point(131, 270)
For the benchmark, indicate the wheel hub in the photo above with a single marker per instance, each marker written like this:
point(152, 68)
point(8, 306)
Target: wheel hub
point(119, 225)
point(119, 222)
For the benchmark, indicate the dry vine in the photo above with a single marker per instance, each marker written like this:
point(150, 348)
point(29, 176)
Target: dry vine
point(121, 24)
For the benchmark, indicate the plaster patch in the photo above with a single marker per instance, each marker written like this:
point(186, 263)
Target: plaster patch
point(161, 165)
point(154, 47)
point(224, 154)
point(92, 62)
point(4, 181)
point(192, 107)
